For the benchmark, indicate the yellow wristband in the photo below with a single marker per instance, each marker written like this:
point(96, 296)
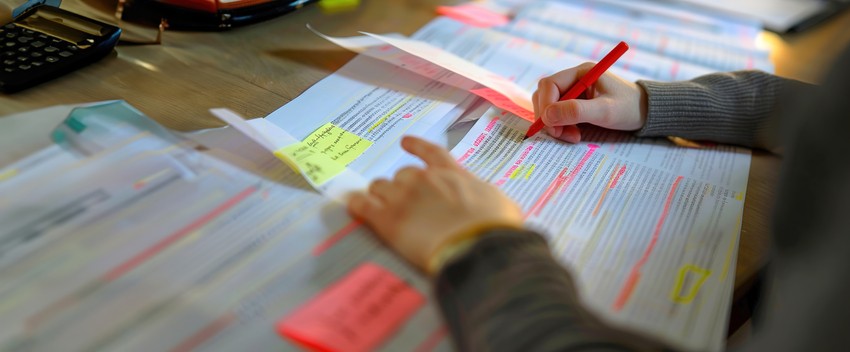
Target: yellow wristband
point(458, 244)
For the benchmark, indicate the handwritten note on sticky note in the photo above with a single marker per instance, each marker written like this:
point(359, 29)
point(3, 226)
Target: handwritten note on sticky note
point(503, 102)
point(355, 314)
point(318, 168)
point(338, 144)
point(474, 15)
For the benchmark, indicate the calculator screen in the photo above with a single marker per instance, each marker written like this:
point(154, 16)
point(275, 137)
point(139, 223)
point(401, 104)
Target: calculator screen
point(51, 22)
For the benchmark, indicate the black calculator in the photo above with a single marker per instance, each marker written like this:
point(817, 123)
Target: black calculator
point(46, 42)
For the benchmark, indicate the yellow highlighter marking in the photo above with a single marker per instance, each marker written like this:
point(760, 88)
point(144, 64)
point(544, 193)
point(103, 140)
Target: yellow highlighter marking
point(5, 175)
point(390, 113)
point(688, 296)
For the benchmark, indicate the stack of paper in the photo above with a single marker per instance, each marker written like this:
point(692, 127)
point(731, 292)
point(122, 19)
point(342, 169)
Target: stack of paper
point(131, 238)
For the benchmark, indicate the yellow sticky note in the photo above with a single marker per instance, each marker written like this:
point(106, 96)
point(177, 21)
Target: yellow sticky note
point(317, 167)
point(338, 144)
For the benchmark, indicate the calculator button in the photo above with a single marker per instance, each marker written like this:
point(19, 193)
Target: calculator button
point(24, 67)
point(25, 40)
point(24, 49)
point(9, 26)
point(65, 54)
point(9, 69)
point(37, 63)
point(27, 31)
point(36, 54)
point(9, 62)
point(23, 58)
point(11, 35)
point(37, 44)
point(51, 59)
point(9, 53)
point(73, 47)
point(10, 44)
point(42, 36)
point(51, 49)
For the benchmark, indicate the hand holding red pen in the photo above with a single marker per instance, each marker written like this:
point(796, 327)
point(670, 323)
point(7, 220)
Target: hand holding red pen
point(612, 102)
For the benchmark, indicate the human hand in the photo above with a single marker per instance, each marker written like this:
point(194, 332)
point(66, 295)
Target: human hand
point(611, 102)
point(421, 210)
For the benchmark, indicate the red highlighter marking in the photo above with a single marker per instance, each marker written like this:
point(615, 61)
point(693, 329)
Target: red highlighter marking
point(151, 251)
point(336, 237)
point(615, 176)
point(544, 198)
point(590, 149)
point(634, 274)
point(674, 70)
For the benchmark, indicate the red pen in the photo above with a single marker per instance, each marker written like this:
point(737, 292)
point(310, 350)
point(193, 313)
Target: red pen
point(584, 82)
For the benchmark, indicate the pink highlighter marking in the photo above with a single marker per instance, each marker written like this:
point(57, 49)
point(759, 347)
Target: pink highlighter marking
point(634, 274)
point(674, 70)
point(544, 198)
point(560, 181)
point(151, 251)
point(590, 149)
point(617, 179)
point(336, 237)
point(615, 176)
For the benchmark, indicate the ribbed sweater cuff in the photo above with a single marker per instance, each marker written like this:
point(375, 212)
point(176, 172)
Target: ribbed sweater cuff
point(730, 108)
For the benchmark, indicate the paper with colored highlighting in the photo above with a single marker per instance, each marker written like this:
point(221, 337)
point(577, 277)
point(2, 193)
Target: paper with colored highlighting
point(355, 314)
point(458, 65)
point(474, 14)
point(323, 172)
point(635, 227)
point(502, 102)
point(380, 50)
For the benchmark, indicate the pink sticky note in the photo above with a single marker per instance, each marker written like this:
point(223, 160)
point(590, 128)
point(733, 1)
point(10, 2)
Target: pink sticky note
point(356, 313)
point(503, 102)
point(474, 15)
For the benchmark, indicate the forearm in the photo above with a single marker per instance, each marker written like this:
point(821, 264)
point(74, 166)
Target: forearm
point(507, 293)
point(735, 108)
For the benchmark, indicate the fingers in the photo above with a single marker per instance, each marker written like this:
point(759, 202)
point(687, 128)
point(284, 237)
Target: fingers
point(556, 114)
point(562, 81)
point(548, 92)
point(570, 133)
point(382, 190)
point(408, 176)
point(366, 207)
point(571, 112)
point(432, 154)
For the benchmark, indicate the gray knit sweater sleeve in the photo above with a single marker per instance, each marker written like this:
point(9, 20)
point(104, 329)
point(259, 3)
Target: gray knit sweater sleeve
point(735, 108)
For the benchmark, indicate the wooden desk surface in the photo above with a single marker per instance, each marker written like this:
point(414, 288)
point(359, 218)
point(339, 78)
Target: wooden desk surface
point(256, 69)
